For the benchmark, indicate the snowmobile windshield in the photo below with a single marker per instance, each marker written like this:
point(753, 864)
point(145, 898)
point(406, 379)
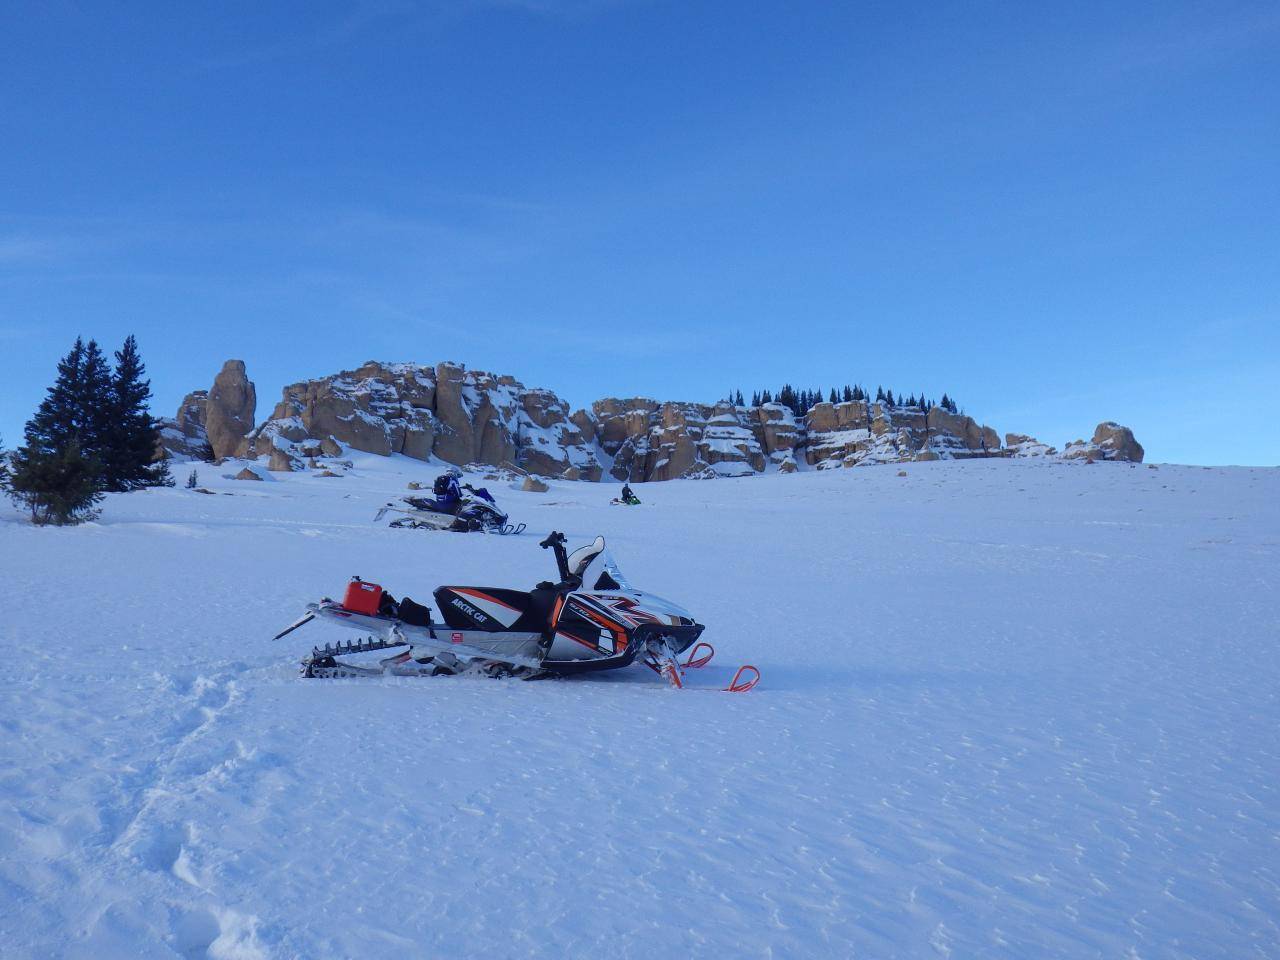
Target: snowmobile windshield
point(611, 576)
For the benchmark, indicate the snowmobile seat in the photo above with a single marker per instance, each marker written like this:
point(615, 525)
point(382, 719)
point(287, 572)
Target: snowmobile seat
point(495, 608)
point(414, 614)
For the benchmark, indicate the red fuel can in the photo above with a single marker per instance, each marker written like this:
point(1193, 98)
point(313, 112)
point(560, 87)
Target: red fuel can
point(362, 597)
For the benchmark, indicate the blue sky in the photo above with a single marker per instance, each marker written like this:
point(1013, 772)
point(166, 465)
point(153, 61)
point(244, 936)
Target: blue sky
point(1058, 214)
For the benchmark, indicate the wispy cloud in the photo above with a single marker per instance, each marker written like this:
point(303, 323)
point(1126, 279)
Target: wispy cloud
point(1179, 45)
point(363, 18)
point(24, 249)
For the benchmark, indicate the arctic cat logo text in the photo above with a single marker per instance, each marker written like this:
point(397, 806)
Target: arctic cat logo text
point(469, 610)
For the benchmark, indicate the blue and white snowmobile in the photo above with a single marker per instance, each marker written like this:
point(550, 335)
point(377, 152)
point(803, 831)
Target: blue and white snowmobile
point(461, 508)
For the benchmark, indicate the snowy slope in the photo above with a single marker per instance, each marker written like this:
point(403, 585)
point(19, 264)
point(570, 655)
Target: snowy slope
point(1009, 709)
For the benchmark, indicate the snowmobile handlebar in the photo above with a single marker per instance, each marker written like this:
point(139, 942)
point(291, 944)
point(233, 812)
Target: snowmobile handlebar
point(555, 540)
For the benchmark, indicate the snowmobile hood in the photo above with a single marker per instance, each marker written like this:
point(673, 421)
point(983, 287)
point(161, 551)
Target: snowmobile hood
point(638, 607)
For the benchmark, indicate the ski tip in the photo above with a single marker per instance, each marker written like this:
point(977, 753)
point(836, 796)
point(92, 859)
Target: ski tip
point(745, 679)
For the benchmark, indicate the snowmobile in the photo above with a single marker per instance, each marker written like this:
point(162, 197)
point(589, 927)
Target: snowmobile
point(555, 629)
point(476, 511)
point(628, 498)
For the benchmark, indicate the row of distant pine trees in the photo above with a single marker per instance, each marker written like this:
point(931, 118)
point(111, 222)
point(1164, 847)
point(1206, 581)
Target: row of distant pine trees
point(92, 434)
point(802, 401)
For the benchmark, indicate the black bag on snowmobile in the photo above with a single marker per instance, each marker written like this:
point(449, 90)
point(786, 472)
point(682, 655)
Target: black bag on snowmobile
point(441, 486)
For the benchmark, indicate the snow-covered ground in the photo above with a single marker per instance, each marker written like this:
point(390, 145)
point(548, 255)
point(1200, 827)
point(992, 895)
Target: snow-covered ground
point(1008, 710)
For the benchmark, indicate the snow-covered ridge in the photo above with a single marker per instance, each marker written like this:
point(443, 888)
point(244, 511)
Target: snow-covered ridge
point(469, 416)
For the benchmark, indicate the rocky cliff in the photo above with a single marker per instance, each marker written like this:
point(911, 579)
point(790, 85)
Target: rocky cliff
point(471, 417)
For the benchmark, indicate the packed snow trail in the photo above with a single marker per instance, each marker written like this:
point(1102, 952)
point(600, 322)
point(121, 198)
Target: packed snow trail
point(1008, 710)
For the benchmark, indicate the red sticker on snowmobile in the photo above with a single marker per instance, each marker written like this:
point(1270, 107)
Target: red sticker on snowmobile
point(456, 637)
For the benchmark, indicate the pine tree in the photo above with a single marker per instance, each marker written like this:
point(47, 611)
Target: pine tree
point(755, 399)
point(766, 397)
point(193, 481)
point(132, 432)
point(787, 397)
point(847, 395)
point(93, 398)
point(737, 400)
point(879, 394)
point(833, 398)
point(58, 486)
point(57, 421)
point(888, 399)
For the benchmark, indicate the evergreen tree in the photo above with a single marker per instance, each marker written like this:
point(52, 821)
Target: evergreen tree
point(879, 394)
point(193, 481)
point(847, 395)
point(755, 399)
point(132, 432)
point(833, 398)
point(766, 397)
point(738, 399)
point(93, 397)
point(58, 486)
point(888, 399)
point(787, 397)
point(57, 420)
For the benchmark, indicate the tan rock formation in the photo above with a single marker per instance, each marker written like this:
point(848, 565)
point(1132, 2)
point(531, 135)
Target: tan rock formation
point(229, 410)
point(1110, 441)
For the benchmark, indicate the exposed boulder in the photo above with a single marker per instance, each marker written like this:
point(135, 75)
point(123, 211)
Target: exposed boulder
point(229, 410)
point(533, 485)
point(1110, 441)
point(247, 474)
point(1117, 443)
point(280, 461)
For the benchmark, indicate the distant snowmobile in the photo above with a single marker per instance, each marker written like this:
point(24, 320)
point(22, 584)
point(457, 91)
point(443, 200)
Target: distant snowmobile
point(628, 498)
point(555, 629)
point(476, 510)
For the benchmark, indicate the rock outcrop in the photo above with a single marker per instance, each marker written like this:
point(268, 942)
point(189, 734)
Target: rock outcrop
point(1110, 442)
point(229, 410)
point(647, 440)
point(458, 415)
point(184, 437)
point(1021, 445)
point(481, 420)
point(858, 432)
